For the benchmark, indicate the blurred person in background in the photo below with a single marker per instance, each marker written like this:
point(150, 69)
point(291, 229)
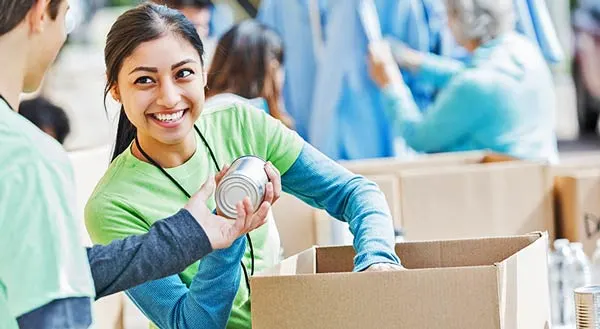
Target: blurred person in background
point(48, 279)
point(586, 64)
point(211, 20)
point(168, 142)
point(199, 12)
point(327, 90)
point(49, 117)
point(249, 64)
point(502, 100)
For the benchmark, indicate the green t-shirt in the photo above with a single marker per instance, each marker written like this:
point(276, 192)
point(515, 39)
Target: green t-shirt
point(134, 194)
point(42, 257)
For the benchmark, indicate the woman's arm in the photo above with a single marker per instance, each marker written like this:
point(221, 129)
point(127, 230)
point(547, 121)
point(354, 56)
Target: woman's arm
point(428, 67)
point(452, 116)
point(207, 303)
point(323, 183)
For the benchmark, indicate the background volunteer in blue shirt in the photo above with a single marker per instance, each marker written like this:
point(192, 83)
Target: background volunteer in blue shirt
point(45, 274)
point(327, 90)
point(503, 100)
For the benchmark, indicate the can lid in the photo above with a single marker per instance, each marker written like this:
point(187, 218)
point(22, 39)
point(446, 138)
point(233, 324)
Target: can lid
point(231, 191)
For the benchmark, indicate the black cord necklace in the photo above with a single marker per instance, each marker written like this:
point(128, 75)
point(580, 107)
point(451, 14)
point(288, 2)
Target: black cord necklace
point(184, 191)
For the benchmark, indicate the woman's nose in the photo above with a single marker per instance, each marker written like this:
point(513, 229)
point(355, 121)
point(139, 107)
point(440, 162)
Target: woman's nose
point(169, 95)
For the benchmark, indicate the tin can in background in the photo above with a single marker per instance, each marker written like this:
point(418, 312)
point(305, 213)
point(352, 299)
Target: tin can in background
point(587, 307)
point(246, 177)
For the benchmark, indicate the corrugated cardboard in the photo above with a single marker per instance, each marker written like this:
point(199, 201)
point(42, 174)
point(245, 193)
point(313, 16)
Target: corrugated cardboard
point(493, 199)
point(393, 165)
point(486, 283)
point(578, 203)
point(486, 194)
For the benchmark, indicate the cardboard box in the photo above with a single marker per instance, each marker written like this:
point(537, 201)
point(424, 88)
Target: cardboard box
point(394, 165)
point(578, 206)
point(463, 201)
point(486, 194)
point(489, 283)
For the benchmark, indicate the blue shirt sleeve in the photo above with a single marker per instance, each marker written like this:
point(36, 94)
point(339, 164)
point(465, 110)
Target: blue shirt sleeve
point(457, 109)
point(207, 303)
point(323, 183)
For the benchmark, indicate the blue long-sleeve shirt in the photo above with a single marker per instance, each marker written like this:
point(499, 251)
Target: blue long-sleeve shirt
point(503, 101)
point(315, 179)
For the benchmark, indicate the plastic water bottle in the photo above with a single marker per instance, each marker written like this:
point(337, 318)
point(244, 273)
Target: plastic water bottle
point(596, 264)
point(556, 260)
point(577, 274)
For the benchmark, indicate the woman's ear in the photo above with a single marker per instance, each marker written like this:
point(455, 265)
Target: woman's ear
point(37, 17)
point(205, 77)
point(114, 92)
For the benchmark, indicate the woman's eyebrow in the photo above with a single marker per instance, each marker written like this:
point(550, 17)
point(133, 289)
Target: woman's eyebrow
point(144, 69)
point(183, 62)
point(155, 70)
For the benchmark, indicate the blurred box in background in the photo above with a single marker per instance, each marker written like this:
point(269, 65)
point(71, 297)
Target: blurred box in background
point(577, 194)
point(444, 196)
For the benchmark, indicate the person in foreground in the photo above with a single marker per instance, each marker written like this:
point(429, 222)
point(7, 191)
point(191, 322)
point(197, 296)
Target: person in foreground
point(503, 100)
point(167, 143)
point(47, 280)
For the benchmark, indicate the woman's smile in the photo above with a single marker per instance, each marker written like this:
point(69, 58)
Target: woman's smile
point(168, 119)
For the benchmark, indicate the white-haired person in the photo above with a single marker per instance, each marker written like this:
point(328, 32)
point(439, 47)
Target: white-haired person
point(502, 100)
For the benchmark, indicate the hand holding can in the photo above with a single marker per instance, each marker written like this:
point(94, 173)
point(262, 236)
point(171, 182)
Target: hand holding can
point(248, 177)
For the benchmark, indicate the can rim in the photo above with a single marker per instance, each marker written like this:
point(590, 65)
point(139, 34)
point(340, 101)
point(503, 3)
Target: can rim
point(250, 156)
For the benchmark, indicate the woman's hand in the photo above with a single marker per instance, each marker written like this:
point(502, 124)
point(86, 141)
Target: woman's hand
point(221, 231)
point(274, 180)
point(382, 67)
point(383, 267)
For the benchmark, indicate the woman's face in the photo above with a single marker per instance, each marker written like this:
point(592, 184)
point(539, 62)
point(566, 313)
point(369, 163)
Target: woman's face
point(161, 87)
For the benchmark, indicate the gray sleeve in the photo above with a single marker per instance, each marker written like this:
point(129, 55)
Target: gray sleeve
point(67, 313)
point(168, 248)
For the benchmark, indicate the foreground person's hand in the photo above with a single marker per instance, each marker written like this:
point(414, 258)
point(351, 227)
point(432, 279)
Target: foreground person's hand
point(222, 231)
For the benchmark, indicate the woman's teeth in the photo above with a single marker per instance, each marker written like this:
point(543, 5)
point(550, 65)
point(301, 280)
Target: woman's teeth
point(168, 117)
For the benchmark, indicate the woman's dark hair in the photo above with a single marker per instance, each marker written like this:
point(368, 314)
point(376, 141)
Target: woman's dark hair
point(180, 4)
point(241, 64)
point(143, 23)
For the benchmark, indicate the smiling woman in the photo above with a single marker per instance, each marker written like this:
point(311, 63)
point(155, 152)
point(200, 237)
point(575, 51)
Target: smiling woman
point(160, 95)
point(167, 146)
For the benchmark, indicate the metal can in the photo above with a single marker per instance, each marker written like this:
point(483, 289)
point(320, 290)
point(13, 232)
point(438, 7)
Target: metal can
point(245, 178)
point(587, 307)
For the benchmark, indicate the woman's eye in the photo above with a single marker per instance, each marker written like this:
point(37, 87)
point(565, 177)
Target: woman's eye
point(184, 73)
point(143, 80)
